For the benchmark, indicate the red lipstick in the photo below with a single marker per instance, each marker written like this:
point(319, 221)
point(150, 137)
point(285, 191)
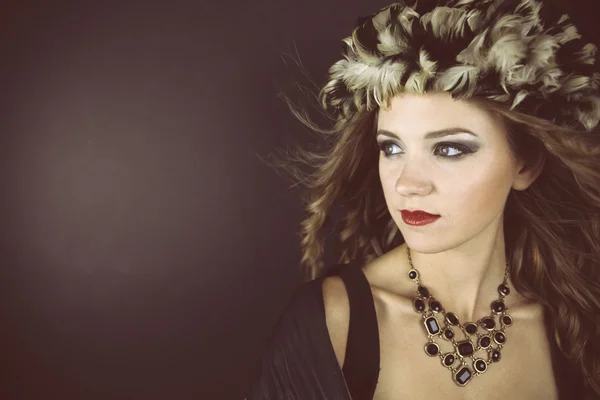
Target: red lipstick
point(418, 217)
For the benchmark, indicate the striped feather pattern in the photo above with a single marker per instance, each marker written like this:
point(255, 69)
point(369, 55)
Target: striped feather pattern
point(514, 52)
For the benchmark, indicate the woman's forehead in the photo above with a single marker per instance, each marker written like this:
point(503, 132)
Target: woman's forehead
point(417, 112)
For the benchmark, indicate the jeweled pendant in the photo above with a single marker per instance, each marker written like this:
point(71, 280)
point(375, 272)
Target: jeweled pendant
point(432, 326)
point(488, 323)
point(491, 332)
point(484, 342)
point(496, 355)
point(463, 376)
point(448, 333)
point(503, 290)
point(480, 365)
point(452, 318)
point(465, 348)
point(419, 305)
point(498, 307)
point(432, 349)
point(499, 338)
point(448, 359)
point(471, 328)
point(435, 306)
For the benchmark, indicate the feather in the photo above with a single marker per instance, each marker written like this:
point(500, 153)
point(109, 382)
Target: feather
point(392, 43)
point(428, 66)
point(358, 98)
point(589, 119)
point(551, 79)
point(460, 78)
point(445, 23)
point(507, 52)
point(531, 19)
point(587, 55)
point(390, 79)
point(515, 46)
point(474, 54)
point(574, 84)
point(563, 18)
point(522, 75)
point(362, 53)
point(542, 51)
point(502, 98)
point(570, 33)
point(382, 19)
point(463, 2)
point(506, 25)
point(358, 75)
point(417, 81)
point(406, 18)
point(338, 69)
point(595, 81)
point(519, 98)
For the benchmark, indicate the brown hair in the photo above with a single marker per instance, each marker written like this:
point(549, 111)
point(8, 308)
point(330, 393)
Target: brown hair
point(552, 229)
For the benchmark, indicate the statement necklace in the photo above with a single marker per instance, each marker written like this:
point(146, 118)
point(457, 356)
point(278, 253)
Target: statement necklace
point(462, 362)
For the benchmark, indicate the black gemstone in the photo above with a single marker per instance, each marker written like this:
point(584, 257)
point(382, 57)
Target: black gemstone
point(485, 341)
point(495, 355)
point(452, 318)
point(435, 306)
point(498, 306)
point(449, 360)
point(419, 305)
point(463, 376)
point(503, 289)
point(423, 291)
point(507, 320)
point(432, 349)
point(480, 365)
point(465, 348)
point(412, 274)
point(499, 337)
point(471, 328)
point(449, 333)
point(488, 323)
point(432, 326)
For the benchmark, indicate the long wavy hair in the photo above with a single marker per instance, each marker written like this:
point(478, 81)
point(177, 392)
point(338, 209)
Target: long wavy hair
point(552, 229)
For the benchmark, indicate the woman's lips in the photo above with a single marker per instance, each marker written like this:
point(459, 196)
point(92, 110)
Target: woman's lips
point(417, 217)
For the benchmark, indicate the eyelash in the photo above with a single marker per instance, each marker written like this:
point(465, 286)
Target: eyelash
point(463, 149)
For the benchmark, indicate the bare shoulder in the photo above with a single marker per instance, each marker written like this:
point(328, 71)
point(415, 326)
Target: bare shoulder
point(337, 314)
point(381, 273)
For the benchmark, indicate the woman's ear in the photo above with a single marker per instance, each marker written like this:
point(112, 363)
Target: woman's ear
point(528, 171)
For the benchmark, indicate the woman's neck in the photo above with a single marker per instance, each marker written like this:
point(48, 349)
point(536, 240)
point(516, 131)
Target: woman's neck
point(464, 279)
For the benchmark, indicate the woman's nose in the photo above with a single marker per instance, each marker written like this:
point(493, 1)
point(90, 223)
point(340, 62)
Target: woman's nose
point(412, 181)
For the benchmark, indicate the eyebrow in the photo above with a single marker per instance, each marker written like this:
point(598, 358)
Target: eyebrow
point(432, 134)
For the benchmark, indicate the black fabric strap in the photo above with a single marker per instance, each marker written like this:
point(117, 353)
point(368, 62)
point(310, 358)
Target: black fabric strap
point(361, 363)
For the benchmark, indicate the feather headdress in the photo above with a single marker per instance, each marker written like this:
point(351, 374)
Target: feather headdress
point(516, 52)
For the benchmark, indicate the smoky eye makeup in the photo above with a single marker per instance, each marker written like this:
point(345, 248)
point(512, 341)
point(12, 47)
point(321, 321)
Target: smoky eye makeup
point(472, 145)
point(447, 149)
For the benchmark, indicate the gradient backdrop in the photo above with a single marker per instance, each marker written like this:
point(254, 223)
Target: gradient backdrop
point(146, 250)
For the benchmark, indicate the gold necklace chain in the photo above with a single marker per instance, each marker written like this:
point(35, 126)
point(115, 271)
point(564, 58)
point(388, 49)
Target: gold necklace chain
point(492, 340)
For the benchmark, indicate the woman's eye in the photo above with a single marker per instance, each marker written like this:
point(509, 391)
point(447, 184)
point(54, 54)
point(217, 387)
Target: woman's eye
point(386, 146)
point(451, 150)
point(444, 150)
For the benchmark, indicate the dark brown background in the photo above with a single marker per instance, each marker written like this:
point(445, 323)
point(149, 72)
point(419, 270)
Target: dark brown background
point(145, 249)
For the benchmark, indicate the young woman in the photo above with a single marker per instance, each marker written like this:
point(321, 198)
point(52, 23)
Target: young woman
point(465, 156)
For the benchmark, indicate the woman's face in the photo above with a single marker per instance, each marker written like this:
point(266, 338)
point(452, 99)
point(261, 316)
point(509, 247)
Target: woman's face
point(463, 177)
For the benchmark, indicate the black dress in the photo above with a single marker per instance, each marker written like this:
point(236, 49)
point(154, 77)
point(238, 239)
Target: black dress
point(299, 362)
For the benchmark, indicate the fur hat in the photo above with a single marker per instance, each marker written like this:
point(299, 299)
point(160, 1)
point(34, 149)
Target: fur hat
point(517, 52)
